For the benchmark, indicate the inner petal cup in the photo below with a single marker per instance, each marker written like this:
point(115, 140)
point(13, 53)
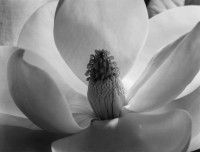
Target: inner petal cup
point(39, 97)
point(82, 26)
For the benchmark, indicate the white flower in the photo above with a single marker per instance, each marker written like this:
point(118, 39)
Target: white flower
point(47, 91)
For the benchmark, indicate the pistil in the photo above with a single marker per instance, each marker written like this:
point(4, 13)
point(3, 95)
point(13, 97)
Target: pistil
point(105, 89)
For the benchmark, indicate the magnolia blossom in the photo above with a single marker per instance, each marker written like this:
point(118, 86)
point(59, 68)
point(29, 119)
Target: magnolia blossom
point(44, 76)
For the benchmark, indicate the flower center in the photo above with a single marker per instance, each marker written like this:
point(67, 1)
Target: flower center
point(105, 89)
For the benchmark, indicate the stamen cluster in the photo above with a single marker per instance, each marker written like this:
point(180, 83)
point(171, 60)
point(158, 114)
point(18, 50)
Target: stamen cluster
point(101, 66)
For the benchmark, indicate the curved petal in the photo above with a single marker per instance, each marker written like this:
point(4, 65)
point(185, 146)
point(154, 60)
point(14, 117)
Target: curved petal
point(153, 65)
point(38, 97)
point(81, 109)
point(6, 102)
point(37, 35)
point(164, 28)
point(133, 132)
point(11, 120)
point(190, 103)
point(82, 26)
point(13, 16)
point(172, 76)
point(77, 102)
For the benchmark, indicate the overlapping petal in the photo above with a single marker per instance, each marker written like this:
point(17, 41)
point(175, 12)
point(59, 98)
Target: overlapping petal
point(164, 28)
point(190, 103)
point(153, 65)
point(38, 93)
point(13, 16)
point(11, 120)
point(119, 26)
point(172, 76)
point(133, 132)
point(37, 35)
point(38, 96)
point(6, 102)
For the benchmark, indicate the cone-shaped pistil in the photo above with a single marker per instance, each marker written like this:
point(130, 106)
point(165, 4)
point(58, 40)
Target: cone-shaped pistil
point(105, 89)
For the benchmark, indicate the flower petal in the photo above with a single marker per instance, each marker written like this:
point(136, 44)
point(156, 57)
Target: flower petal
point(133, 132)
point(37, 35)
point(11, 120)
point(190, 103)
point(82, 26)
point(6, 102)
point(171, 76)
point(13, 16)
point(153, 65)
point(164, 28)
point(81, 109)
point(37, 96)
point(194, 144)
point(21, 139)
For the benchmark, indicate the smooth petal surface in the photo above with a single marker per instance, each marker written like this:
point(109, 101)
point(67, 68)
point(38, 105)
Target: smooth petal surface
point(153, 65)
point(20, 134)
point(6, 102)
point(82, 26)
point(13, 16)
point(190, 103)
point(37, 35)
point(172, 76)
point(38, 97)
point(11, 120)
point(133, 132)
point(164, 28)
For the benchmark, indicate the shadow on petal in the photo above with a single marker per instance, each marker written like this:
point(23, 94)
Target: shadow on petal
point(21, 139)
point(38, 96)
point(169, 132)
